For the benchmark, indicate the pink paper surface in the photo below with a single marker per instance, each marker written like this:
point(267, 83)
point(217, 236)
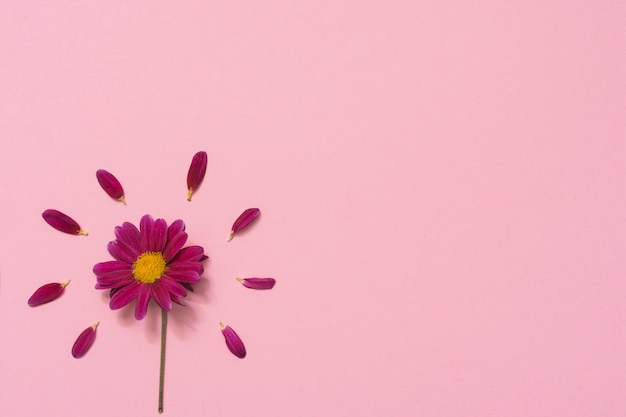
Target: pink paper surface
point(443, 197)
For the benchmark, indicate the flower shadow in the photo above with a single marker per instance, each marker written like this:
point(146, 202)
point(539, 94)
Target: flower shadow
point(181, 319)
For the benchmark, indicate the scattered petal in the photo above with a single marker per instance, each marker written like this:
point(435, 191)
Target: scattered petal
point(62, 222)
point(233, 342)
point(196, 172)
point(258, 283)
point(243, 220)
point(47, 293)
point(84, 341)
point(110, 185)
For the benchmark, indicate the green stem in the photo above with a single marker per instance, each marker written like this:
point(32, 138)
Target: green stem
point(162, 371)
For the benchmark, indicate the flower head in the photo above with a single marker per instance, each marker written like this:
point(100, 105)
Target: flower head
point(150, 262)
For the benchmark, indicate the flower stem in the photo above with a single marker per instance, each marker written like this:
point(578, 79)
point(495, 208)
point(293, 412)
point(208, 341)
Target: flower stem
point(162, 369)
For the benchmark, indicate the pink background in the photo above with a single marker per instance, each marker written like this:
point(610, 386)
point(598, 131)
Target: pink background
point(443, 187)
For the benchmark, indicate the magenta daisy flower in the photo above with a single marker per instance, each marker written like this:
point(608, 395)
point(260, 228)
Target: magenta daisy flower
point(150, 262)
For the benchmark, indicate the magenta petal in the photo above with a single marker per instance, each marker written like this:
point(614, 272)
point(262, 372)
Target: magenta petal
point(244, 220)
point(145, 227)
point(124, 295)
point(179, 266)
point(110, 185)
point(161, 296)
point(159, 235)
point(129, 250)
point(190, 253)
point(122, 252)
point(196, 172)
point(143, 298)
point(258, 283)
point(84, 341)
point(112, 285)
point(114, 279)
point(128, 233)
point(110, 266)
point(62, 222)
point(175, 228)
point(184, 276)
point(175, 289)
point(174, 244)
point(233, 342)
point(47, 293)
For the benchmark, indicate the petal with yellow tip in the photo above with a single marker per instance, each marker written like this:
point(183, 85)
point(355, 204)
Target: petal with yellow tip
point(233, 341)
point(47, 293)
point(110, 185)
point(196, 172)
point(258, 283)
point(84, 341)
point(62, 222)
point(243, 221)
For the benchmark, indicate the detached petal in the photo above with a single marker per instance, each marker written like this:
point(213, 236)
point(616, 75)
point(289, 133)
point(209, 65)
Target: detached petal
point(84, 341)
point(196, 172)
point(110, 185)
point(258, 283)
point(47, 293)
point(243, 220)
point(62, 222)
point(233, 342)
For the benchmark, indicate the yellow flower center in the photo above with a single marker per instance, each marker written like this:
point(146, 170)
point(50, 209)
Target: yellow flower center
point(149, 267)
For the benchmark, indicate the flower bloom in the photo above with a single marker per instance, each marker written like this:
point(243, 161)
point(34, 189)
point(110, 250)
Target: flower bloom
point(150, 262)
point(47, 293)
